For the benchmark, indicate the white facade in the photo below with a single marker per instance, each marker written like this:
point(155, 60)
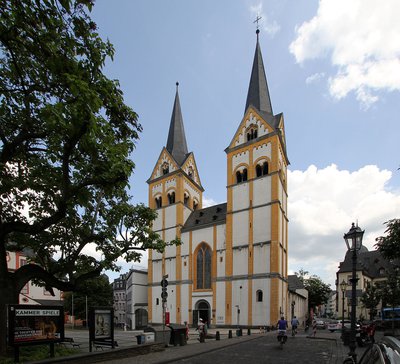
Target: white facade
point(136, 299)
point(32, 294)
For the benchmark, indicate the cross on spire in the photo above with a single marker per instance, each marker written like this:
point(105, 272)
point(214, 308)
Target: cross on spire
point(258, 18)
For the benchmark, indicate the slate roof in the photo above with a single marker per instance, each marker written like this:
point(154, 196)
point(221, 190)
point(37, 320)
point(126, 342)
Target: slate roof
point(176, 142)
point(209, 216)
point(370, 262)
point(294, 283)
point(258, 93)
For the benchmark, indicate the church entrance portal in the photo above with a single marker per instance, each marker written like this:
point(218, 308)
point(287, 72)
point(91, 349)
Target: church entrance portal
point(202, 311)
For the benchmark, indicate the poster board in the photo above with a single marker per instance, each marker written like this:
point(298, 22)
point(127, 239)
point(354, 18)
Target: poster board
point(101, 325)
point(35, 324)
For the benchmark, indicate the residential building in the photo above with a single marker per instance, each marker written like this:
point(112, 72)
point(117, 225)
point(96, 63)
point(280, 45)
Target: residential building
point(32, 294)
point(119, 294)
point(371, 268)
point(298, 298)
point(136, 299)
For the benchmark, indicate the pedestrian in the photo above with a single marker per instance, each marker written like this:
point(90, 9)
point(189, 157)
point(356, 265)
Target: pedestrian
point(314, 327)
point(295, 324)
point(187, 330)
point(201, 330)
point(371, 332)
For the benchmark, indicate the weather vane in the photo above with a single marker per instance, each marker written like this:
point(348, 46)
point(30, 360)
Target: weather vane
point(257, 20)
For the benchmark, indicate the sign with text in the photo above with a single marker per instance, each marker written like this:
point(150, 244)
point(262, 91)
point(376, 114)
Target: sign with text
point(31, 324)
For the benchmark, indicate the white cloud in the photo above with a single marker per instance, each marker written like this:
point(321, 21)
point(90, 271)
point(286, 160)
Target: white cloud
point(322, 205)
point(207, 202)
point(269, 26)
point(316, 77)
point(361, 38)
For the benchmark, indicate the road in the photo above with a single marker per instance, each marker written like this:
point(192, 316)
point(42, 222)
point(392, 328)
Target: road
point(266, 349)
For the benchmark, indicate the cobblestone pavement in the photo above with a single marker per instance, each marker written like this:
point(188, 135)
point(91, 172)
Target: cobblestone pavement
point(255, 348)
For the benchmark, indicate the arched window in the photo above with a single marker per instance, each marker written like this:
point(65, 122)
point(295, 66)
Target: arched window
point(186, 199)
point(244, 178)
point(265, 168)
point(258, 170)
point(252, 132)
point(195, 205)
point(165, 168)
point(190, 172)
point(203, 267)
point(158, 202)
point(238, 177)
point(171, 198)
point(259, 296)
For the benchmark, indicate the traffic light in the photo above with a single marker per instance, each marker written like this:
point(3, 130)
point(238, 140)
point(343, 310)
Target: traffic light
point(164, 293)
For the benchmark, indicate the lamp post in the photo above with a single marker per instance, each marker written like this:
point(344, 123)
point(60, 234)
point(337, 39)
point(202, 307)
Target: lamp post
point(293, 304)
point(343, 286)
point(353, 241)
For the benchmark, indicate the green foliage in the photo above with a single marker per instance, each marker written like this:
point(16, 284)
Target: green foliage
point(66, 143)
point(318, 291)
point(389, 290)
point(370, 299)
point(95, 292)
point(389, 245)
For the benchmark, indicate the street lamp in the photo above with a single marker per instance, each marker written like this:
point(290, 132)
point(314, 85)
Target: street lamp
point(343, 286)
point(353, 241)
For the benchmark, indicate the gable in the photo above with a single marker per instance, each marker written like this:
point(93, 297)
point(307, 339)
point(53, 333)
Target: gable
point(253, 123)
point(190, 168)
point(164, 160)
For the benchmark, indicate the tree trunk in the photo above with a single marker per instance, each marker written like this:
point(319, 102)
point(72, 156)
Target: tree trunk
point(8, 296)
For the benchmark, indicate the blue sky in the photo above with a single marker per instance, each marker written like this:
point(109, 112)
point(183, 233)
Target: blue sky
point(333, 69)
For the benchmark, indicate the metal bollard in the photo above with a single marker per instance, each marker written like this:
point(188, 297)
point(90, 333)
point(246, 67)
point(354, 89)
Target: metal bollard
point(230, 334)
point(217, 336)
point(248, 331)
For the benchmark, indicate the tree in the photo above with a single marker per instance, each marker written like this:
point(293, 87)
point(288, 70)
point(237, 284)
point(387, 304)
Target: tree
point(65, 152)
point(370, 299)
point(389, 245)
point(94, 292)
point(318, 291)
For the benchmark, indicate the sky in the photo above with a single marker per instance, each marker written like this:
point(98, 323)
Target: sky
point(333, 69)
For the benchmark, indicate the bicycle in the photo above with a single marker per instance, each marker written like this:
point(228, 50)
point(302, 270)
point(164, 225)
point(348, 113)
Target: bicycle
point(282, 337)
point(294, 331)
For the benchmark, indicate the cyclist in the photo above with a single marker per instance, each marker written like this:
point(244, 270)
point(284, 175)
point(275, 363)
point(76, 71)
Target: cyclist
point(295, 324)
point(282, 326)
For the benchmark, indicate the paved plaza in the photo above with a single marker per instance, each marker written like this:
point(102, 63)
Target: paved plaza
point(258, 347)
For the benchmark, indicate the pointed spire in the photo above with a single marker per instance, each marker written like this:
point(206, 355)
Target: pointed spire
point(258, 94)
point(176, 143)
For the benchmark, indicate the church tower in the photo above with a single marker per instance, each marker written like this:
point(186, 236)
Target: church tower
point(256, 218)
point(175, 191)
point(231, 268)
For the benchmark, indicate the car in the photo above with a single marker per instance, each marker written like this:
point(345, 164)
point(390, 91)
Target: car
point(334, 326)
point(320, 324)
point(384, 351)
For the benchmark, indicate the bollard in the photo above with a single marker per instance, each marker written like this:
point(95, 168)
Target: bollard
point(217, 336)
point(230, 334)
point(248, 331)
point(202, 336)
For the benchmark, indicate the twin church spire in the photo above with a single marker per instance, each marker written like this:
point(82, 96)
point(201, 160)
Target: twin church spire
point(257, 96)
point(176, 142)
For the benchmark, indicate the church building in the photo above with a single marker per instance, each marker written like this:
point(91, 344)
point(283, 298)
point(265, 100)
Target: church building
point(232, 265)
